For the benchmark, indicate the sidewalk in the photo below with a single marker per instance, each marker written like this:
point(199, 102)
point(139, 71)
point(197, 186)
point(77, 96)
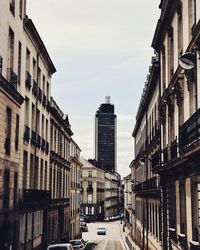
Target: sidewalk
point(128, 242)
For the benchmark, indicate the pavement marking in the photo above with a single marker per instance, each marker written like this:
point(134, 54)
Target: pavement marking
point(104, 247)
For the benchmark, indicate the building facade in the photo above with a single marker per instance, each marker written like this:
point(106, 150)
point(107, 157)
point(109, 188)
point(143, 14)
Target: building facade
point(146, 219)
point(59, 175)
point(26, 63)
point(10, 104)
point(165, 170)
point(92, 194)
point(75, 182)
point(105, 136)
point(112, 200)
point(177, 32)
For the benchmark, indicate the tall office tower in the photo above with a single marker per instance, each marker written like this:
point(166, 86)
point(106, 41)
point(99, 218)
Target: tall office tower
point(105, 136)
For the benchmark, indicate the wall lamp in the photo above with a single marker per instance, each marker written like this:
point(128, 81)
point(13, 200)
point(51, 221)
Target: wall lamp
point(188, 59)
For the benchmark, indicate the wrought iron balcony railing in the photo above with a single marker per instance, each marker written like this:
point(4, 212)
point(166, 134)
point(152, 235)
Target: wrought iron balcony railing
point(189, 132)
point(12, 77)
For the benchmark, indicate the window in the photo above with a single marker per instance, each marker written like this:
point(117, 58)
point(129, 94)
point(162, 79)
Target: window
point(41, 174)
point(194, 201)
point(20, 8)
point(36, 173)
point(89, 198)
point(26, 117)
point(25, 163)
point(17, 133)
point(31, 176)
point(27, 60)
point(47, 129)
point(43, 83)
point(15, 189)
point(46, 175)
point(1, 64)
point(19, 61)
point(192, 15)
point(33, 117)
point(11, 49)
point(8, 130)
point(170, 53)
point(48, 91)
point(182, 206)
point(89, 173)
point(34, 70)
point(6, 191)
point(12, 7)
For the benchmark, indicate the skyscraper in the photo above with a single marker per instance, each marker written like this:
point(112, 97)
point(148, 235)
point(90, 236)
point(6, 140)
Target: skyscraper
point(105, 136)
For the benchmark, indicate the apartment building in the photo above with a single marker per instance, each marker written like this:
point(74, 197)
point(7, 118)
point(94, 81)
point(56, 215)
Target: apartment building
point(10, 105)
point(177, 32)
point(26, 63)
point(59, 176)
point(128, 201)
point(92, 194)
point(112, 201)
point(167, 135)
point(75, 182)
point(146, 220)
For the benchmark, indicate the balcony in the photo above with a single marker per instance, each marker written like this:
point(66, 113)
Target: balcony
point(12, 77)
point(148, 185)
point(189, 132)
point(34, 197)
point(165, 155)
point(28, 80)
point(26, 133)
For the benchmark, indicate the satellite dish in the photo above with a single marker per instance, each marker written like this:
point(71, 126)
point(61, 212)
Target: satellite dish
point(187, 60)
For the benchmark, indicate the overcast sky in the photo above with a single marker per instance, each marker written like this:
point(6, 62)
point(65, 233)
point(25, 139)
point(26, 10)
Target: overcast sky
point(99, 48)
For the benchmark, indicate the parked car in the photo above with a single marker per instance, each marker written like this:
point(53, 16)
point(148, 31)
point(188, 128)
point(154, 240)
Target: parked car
point(101, 230)
point(63, 246)
point(83, 226)
point(78, 243)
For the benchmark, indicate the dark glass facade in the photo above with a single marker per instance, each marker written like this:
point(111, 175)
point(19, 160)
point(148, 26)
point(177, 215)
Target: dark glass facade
point(105, 151)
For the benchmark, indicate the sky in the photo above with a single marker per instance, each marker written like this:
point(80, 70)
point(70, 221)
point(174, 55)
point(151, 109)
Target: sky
point(100, 48)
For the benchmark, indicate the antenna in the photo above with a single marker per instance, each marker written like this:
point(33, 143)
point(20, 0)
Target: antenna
point(107, 99)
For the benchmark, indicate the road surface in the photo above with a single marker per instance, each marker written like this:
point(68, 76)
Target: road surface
point(111, 241)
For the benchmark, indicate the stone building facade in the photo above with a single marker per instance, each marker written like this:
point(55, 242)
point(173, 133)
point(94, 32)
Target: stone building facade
point(59, 183)
point(170, 162)
point(75, 190)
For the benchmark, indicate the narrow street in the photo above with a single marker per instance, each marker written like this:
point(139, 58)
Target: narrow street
point(112, 240)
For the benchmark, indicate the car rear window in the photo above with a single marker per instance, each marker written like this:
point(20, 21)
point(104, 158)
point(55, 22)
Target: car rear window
point(75, 242)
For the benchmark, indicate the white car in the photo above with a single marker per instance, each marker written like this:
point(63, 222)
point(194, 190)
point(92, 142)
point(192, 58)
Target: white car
point(63, 246)
point(101, 230)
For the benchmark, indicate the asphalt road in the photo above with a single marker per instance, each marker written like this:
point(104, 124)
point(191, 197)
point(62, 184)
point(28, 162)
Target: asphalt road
point(111, 241)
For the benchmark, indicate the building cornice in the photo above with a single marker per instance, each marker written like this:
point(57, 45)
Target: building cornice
point(164, 22)
point(32, 32)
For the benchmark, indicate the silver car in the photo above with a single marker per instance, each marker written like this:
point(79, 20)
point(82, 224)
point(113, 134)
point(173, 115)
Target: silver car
point(101, 230)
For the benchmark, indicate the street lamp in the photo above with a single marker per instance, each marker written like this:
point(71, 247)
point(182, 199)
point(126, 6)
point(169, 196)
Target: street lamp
point(188, 59)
